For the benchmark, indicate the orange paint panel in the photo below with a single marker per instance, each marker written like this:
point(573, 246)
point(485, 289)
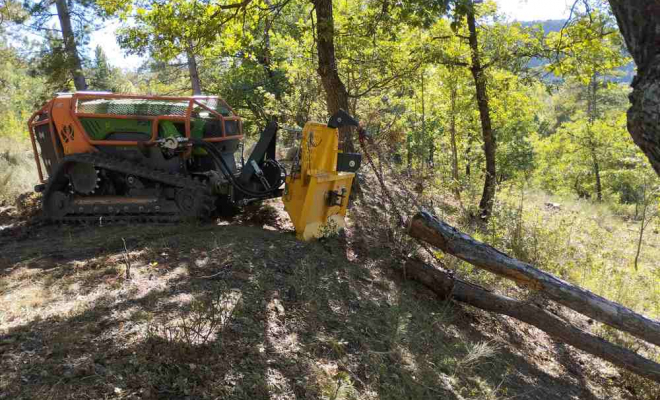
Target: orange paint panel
point(36, 153)
point(72, 136)
point(64, 120)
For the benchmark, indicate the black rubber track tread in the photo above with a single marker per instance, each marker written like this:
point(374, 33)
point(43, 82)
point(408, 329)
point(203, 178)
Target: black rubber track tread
point(179, 181)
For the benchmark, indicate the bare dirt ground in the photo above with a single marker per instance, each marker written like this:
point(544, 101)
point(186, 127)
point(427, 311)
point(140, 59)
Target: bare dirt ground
point(241, 309)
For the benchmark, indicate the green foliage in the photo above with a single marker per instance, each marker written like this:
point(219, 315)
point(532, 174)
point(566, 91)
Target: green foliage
point(20, 93)
point(11, 12)
point(54, 61)
point(590, 46)
point(590, 152)
point(565, 159)
point(402, 65)
point(406, 70)
point(53, 65)
point(101, 75)
point(170, 29)
point(513, 106)
point(105, 77)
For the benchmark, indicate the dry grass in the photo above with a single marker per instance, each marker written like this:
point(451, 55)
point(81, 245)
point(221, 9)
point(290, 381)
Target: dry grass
point(18, 172)
point(583, 242)
point(245, 313)
point(242, 310)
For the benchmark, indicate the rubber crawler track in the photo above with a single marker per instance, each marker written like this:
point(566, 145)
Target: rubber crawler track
point(129, 212)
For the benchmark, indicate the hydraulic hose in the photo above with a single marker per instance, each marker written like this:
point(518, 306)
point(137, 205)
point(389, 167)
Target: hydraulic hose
point(221, 164)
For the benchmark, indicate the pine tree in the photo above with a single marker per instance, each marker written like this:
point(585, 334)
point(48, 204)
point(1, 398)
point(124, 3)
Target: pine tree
point(102, 72)
point(67, 43)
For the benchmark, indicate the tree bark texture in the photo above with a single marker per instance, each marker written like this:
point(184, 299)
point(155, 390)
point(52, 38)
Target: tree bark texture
point(193, 71)
point(488, 195)
point(336, 94)
point(448, 287)
point(70, 47)
point(639, 22)
point(426, 227)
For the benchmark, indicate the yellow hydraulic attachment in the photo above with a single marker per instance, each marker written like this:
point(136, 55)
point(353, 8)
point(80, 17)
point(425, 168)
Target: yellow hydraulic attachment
point(316, 194)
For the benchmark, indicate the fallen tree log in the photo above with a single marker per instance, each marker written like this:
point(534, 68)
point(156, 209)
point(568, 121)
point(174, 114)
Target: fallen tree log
point(447, 287)
point(426, 227)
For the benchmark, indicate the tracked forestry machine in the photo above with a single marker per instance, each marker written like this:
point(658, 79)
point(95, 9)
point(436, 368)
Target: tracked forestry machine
point(108, 157)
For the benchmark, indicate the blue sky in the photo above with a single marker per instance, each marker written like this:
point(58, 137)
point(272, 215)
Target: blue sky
point(521, 10)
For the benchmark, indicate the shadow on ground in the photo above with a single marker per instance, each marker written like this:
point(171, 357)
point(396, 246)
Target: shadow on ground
point(247, 313)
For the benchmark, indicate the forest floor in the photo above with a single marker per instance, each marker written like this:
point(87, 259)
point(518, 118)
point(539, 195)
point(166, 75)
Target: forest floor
point(241, 309)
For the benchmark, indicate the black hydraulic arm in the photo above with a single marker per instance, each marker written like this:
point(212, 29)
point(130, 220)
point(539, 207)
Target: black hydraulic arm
point(264, 149)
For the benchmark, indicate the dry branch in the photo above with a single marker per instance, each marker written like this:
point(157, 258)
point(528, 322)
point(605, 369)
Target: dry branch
point(447, 287)
point(426, 227)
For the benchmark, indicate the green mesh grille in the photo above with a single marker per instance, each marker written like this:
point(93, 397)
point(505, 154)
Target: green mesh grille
point(151, 108)
point(133, 107)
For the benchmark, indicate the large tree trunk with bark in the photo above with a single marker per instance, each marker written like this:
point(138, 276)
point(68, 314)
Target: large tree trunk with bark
point(478, 73)
point(426, 227)
point(639, 22)
point(70, 47)
point(336, 94)
point(193, 71)
point(447, 287)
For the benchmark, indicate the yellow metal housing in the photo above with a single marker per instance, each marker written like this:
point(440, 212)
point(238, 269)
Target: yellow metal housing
point(316, 196)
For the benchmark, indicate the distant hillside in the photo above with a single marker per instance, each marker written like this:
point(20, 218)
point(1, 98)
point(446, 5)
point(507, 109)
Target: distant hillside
point(625, 74)
point(550, 25)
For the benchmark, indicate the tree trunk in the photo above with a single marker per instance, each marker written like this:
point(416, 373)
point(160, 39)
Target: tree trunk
point(409, 153)
point(468, 166)
point(642, 225)
point(336, 94)
point(488, 195)
point(431, 159)
point(193, 71)
point(437, 233)
point(592, 113)
point(595, 164)
point(446, 286)
point(454, 148)
point(430, 139)
point(599, 186)
point(639, 22)
point(266, 61)
point(70, 46)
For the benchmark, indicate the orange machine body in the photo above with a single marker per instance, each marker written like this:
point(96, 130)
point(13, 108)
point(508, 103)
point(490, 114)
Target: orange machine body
point(56, 129)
